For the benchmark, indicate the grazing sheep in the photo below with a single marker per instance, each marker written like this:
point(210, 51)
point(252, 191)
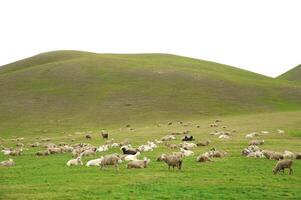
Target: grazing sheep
point(173, 161)
point(187, 145)
point(77, 161)
point(16, 152)
point(132, 157)
point(20, 144)
point(205, 143)
point(298, 156)
point(66, 148)
point(256, 154)
point(282, 164)
point(95, 162)
point(7, 163)
point(88, 137)
point(104, 134)
point(224, 137)
point(187, 138)
point(186, 153)
point(277, 156)
point(138, 163)
point(256, 142)
point(111, 160)
point(43, 153)
point(203, 158)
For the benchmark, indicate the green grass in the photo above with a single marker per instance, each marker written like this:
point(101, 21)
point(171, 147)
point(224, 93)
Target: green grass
point(293, 75)
point(233, 177)
point(59, 93)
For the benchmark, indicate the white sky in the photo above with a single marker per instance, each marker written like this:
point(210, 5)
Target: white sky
point(263, 36)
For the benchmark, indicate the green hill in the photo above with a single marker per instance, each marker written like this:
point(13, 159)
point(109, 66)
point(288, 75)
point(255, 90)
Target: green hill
point(292, 75)
point(79, 89)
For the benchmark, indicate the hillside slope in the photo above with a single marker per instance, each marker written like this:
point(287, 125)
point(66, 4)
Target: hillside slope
point(81, 88)
point(292, 75)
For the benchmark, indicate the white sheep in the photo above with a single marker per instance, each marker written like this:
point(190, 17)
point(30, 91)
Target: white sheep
point(77, 161)
point(224, 137)
point(7, 163)
point(186, 153)
point(132, 157)
point(289, 155)
point(102, 148)
point(95, 162)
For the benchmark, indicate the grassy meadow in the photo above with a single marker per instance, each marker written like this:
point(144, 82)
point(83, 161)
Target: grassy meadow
point(63, 95)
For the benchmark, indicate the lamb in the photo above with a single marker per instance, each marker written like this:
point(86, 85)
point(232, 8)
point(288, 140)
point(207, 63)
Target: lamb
point(203, 158)
point(173, 161)
point(77, 161)
point(7, 163)
point(104, 134)
point(138, 163)
point(256, 142)
point(111, 160)
point(186, 153)
point(132, 157)
point(95, 162)
point(205, 143)
point(282, 164)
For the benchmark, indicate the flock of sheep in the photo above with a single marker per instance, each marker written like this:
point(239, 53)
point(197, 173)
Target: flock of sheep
point(131, 155)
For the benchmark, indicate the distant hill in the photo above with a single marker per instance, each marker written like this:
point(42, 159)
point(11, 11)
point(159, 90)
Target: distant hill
point(83, 88)
point(292, 75)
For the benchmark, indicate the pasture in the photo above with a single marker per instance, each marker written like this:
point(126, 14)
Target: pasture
point(231, 177)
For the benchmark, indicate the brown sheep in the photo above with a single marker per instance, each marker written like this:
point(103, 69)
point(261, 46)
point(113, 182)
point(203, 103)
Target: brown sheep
point(104, 135)
point(203, 158)
point(43, 153)
point(173, 161)
point(282, 164)
point(205, 143)
point(298, 155)
point(111, 160)
point(88, 137)
point(138, 163)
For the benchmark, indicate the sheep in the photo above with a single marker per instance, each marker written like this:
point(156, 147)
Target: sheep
point(251, 135)
point(256, 154)
point(77, 161)
point(19, 144)
point(16, 152)
point(88, 137)
point(158, 141)
point(168, 138)
point(205, 143)
point(213, 125)
point(54, 150)
point(282, 164)
point(132, 157)
point(186, 145)
point(7, 163)
point(171, 146)
point(224, 137)
point(138, 163)
point(250, 149)
point(88, 152)
point(102, 148)
point(36, 144)
point(272, 155)
point(160, 158)
point(95, 162)
point(128, 151)
point(152, 144)
point(289, 155)
point(169, 123)
point(256, 142)
point(43, 153)
point(173, 161)
point(187, 138)
point(104, 134)
point(265, 132)
point(298, 156)
point(114, 145)
point(111, 160)
point(203, 158)
point(45, 139)
point(280, 131)
point(49, 145)
point(186, 153)
point(67, 148)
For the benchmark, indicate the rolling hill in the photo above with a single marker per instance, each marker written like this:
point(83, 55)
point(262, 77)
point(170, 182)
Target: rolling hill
point(292, 75)
point(79, 89)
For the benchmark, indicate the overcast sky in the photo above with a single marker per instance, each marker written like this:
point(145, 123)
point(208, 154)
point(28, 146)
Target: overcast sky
point(263, 36)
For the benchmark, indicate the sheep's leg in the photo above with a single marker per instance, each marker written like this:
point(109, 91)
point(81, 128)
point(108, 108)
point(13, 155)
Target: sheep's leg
point(291, 170)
